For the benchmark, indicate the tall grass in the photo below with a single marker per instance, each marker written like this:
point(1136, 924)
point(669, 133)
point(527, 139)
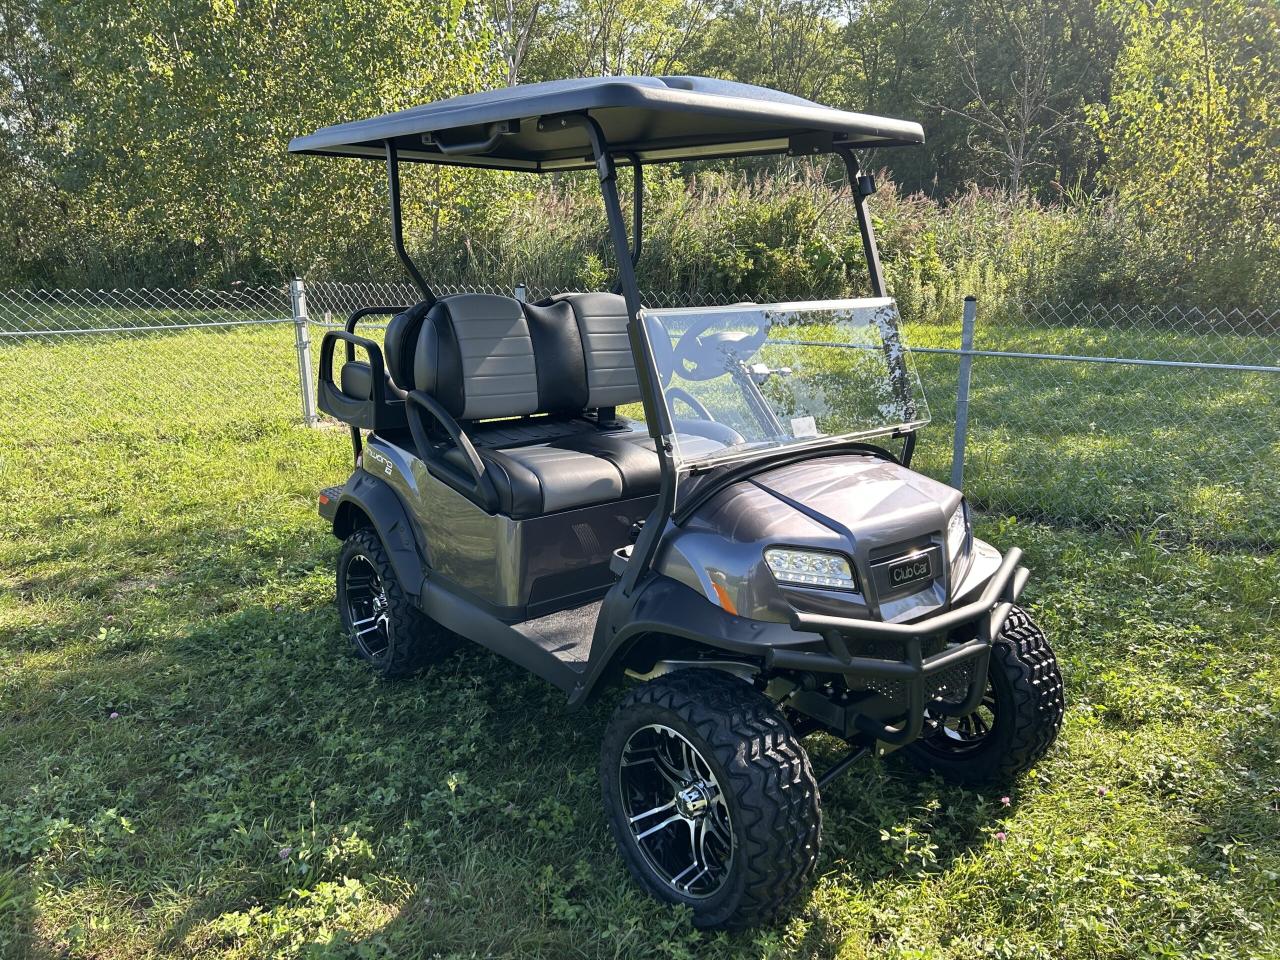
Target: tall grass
point(791, 232)
point(784, 228)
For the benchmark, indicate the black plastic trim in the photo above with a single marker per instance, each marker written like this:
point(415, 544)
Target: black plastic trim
point(469, 619)
point(392, 522)
point(375, 412)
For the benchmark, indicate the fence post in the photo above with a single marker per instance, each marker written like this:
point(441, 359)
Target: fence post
point(962, 392)
point(302, 341)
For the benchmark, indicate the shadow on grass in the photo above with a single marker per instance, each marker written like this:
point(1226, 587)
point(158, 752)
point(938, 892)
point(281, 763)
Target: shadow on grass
point(18, 938)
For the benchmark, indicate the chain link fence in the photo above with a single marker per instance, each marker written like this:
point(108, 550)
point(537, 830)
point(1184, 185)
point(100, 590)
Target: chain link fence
point(1160, 420)
point(94, 362)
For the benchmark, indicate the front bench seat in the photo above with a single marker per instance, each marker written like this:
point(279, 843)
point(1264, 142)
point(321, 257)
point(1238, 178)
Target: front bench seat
point(492, 358)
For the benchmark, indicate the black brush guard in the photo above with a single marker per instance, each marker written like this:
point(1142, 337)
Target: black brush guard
point(914, 670)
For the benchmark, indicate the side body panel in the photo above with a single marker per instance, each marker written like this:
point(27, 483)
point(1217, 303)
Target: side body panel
point(514, 569)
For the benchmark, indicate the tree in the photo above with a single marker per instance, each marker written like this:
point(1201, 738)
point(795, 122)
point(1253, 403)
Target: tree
point(1192, 129)
point(586, 38)
point(790, 45)
point(173, 116)
point(514, 28)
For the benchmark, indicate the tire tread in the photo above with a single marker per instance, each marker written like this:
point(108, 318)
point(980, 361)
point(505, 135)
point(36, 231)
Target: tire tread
point(413, 632)
point(776, 794)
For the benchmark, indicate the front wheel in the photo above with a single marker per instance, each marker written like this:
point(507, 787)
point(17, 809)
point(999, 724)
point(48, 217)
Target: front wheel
point(1017, 721)
point(710, 797)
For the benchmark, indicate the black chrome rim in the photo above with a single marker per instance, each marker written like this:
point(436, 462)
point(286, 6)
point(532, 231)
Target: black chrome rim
point(675, 809)
point(957, 735)
point(367, 615)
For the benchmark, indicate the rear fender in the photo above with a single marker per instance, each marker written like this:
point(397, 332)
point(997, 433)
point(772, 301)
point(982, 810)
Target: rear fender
point(369, 500)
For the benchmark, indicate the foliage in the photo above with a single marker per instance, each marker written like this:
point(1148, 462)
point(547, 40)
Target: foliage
point(789, 231)
point(1192, 132)
point(144, 142)
point(164, 125)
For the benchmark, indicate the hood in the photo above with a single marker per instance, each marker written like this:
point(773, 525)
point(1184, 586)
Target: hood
point(847, 493)
point(866, 508)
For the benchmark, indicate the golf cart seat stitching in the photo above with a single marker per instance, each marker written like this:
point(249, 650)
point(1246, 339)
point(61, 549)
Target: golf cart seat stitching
point(602, 325)
point(540, 368)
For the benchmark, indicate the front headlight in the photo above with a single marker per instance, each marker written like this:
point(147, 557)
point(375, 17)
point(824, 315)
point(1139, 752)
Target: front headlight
point(810, 568)
point(958, 532)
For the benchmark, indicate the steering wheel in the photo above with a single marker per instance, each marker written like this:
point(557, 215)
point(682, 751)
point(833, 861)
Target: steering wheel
point(664, 358)
point(704, 355)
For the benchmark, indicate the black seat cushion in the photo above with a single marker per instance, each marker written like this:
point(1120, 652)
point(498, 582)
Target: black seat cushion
point(519, 378)
point(542, 465)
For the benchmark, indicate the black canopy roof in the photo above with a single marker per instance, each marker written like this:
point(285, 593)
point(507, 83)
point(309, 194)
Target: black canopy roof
point(655, 118)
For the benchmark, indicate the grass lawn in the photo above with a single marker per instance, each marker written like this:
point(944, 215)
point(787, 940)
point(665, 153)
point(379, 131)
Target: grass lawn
point(191, 764)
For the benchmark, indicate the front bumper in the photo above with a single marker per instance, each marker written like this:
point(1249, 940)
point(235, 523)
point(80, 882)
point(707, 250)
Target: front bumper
point(913, 672)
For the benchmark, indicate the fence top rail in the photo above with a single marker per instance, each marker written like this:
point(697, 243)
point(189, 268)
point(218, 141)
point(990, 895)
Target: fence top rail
point(140, 328)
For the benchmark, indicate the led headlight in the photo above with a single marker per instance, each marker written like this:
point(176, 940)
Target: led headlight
point(957, 532)
point(810, 568)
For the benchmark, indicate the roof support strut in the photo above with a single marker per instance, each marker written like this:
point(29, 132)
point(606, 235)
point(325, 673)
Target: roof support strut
point(397, 229)
point(655, 408)
point(863, 187)
point(637, 214)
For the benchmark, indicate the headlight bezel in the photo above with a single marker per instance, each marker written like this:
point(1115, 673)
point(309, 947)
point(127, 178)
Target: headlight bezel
point(958, 536)
point(783, 561)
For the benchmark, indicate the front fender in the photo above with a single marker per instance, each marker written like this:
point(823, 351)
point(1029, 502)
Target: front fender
point(665, 607)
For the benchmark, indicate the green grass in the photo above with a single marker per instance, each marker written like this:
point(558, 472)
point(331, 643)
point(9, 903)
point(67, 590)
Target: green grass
point(259, 795)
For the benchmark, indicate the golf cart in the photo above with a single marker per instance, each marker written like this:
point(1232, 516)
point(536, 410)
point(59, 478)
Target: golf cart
point(703, 500)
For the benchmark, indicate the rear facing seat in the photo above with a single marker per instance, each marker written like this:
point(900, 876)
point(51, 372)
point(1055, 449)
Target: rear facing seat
point(519, 379)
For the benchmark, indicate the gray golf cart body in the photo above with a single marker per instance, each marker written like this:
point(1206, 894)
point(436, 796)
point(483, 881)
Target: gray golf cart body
point(521, 511)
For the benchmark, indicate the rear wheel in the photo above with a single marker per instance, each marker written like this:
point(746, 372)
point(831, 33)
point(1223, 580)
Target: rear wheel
point(385, 628)
point(710, 797)
point(1017, 721)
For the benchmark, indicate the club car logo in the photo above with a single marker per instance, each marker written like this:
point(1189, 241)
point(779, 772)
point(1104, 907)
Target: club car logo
point(376, 457)
point(910, 570)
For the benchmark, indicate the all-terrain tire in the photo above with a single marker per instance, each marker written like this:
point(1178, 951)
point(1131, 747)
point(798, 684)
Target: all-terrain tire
point(1025, 697)
point(767, 783)
point(412, 639)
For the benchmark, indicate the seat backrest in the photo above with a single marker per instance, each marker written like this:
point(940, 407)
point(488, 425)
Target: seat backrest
point(399, 344)
point(482, 356)
point(602, 326)
point(485, 356)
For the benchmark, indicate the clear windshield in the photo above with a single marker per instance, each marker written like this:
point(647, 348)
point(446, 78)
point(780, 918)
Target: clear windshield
point(745, 381)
